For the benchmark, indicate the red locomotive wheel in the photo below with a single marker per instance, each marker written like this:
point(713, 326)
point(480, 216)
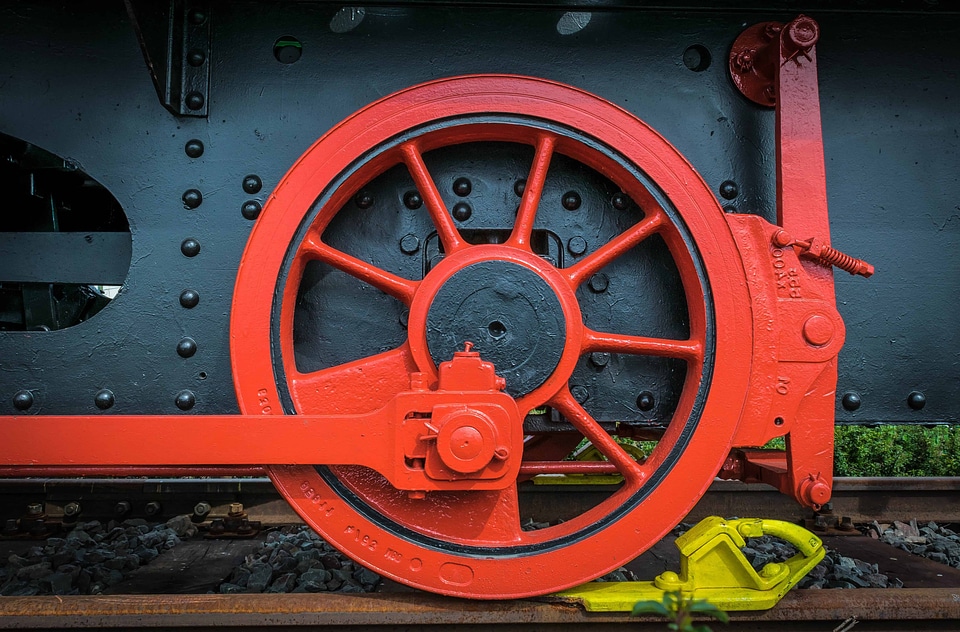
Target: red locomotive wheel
point(471, 543)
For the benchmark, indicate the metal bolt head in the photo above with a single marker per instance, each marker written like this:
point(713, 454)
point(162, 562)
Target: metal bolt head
point(409, 244)
point(412, 200)
point(363, 199)
point(916, 400)
point(196, 57)
point(197, 17)
point(519, 187)
point(192, 198)
point(71, 509)
point(462, 211)
point(577, 246)
point(251, 209)
point(645, 401)
point(190, 247)
point(744, 60)
point(121, 509)
point(851, 401)
point(571, 200)
point(599, 282)
point(104, 399)
point(193, 148)
point(462, 187)
point(35, 509)
point(621, 201)
point(187, 347)
point(818, 330)
point(22, 400)
point(202, 508)
point(236, 509)
point(599, 359)
point(189, 299)
point(729, 189)
point(580, 393)
point(185, 400)
point(152, 508)
point(194, 100)
point(252, 184)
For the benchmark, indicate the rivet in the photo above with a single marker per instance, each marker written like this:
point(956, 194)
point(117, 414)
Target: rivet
point(580, 393)
point(729, 208)
point(462, 187)
point(185, 400)
point(818, 330)
point(104, 399)
point(571, 200)
point(192, 198)
point(577, 245)
point(404, 317)
point(462, 211)
point(729, 189)
point(851, 400)
point(519, 186)
point(251, 209)
point(194, 100)
point(197, 17)
point(599, 359)
point(187, 347)
point(598, 282)
point(412, 200)
point(193, 148)
point(916, 400)
point(409, 244)
point(252, 184)
point(23, 400)
point(364, 199)
point(189, 299)
point(190, 247)
point(621, 201)
point(645, 401)
point(196, 57)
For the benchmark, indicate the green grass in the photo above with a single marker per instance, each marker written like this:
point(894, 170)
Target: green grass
point(897, 451)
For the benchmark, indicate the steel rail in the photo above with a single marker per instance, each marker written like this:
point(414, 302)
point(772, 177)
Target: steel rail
point(905, 609)
point(859, 499)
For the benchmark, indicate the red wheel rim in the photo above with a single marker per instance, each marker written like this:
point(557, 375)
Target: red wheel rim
point(478, 549)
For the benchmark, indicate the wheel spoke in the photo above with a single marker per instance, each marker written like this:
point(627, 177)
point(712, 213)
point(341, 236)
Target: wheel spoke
point(397, 287)
point(593, 263)
point(502, 524)
point(633, 472)
point(355, 387)
point(442, 220)
point(689, 350)
point(532, 192)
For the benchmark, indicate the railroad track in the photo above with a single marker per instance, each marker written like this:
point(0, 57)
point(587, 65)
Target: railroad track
point(859, 499)
point(931, 599)
point(905, 609)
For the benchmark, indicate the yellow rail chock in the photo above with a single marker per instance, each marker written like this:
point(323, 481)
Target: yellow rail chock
point(712, 567)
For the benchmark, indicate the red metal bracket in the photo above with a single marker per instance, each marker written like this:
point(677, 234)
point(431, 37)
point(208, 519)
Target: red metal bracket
point(793, 385)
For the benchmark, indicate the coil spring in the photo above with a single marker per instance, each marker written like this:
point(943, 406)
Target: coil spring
point(844, 262)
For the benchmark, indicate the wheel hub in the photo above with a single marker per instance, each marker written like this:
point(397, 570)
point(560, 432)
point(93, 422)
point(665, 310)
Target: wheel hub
point(509, 312)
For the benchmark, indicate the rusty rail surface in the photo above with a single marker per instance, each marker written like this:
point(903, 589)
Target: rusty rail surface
point(860, 499)
point(905, 609)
